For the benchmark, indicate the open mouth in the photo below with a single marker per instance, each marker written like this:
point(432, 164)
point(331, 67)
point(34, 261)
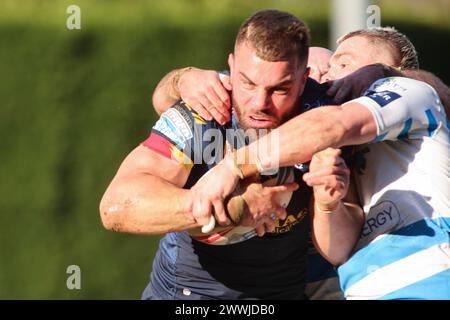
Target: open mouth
point(261, 122)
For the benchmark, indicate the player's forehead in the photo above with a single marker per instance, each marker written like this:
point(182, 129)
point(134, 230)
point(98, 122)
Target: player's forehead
point(249, 66)
point(352, 47)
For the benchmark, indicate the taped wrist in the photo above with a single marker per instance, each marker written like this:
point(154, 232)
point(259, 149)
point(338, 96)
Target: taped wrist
point(174, 89)
point(326, 208)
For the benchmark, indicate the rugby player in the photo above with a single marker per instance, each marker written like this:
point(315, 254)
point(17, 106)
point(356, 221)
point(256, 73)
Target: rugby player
point(154, 189)
point(202, 88)
point(402, 177)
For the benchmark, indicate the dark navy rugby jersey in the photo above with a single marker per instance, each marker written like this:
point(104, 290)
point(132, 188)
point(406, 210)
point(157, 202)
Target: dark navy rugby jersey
point(269, 267)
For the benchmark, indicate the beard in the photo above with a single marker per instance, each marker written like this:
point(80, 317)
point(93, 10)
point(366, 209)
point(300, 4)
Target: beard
point(243, 123)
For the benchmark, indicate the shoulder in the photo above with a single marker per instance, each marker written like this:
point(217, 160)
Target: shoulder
point(180, 123)
point(314, 95)
point(392, 88)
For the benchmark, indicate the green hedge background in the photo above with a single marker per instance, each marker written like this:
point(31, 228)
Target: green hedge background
point(74, 103)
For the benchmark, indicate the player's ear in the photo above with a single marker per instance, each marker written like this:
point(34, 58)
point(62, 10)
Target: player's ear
point(307, 72)
point(231, 63)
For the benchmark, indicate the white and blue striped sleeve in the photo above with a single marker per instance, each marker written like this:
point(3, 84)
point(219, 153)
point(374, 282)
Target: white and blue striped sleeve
point(403, 108)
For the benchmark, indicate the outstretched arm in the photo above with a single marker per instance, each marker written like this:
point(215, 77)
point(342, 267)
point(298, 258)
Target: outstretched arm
point(384, 113)
point(314, 130)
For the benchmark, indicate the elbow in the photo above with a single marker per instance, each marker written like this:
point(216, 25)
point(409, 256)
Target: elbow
point(159, 102)
point(337, 261)
point(156, 103)
point(335, 257)
point(110, 215)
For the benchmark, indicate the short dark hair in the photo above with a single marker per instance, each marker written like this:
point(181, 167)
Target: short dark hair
point(276, 36)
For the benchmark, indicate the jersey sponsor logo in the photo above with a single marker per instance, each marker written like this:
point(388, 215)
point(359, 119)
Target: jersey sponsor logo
point(391, 83)
point(173, 126)
point(185, 112)
point(178, 121)
point(381, 219)
point(166, 128)
point(383, 98)
point(286, 225)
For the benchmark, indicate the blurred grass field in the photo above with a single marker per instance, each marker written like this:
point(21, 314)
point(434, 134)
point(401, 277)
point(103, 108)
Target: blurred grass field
point(74, 103)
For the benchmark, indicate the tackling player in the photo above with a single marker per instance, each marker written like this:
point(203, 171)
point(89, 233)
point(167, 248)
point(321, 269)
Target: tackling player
point(402, 177)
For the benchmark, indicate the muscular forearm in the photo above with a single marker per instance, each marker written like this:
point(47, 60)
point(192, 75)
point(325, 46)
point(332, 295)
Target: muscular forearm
point(166, 93)
point(335, 233)
point(145, 204)
point(298, 139)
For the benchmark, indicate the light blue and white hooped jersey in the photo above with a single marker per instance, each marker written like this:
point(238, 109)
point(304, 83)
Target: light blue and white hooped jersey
point(404, 187)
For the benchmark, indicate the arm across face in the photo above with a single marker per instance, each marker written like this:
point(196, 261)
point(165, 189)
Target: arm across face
point(381, 114)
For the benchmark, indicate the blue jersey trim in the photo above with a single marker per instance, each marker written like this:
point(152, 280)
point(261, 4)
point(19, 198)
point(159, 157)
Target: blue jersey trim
point(380, 137)
point(436, 287)
point(405, 130)
point(397, 245)
point(432, 123)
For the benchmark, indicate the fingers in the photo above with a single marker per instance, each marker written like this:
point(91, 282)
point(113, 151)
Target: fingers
point(334, 87)
point(201, 210)
point(260, 230)
point(226, 81)
point(215, 106)
point(219, 213)
point(200, 109)
point(343, 93)
point(281, 213)
point(329, 156)
point(328, 152)
point(268, 223)
point(204, 91)
point(224, 97)
point(288, 187)
point(209, 107)
point(317, 177)
point(210, 226)
point(202, 214)
point(327, 168)
point(339, 90)
point(337, 179)
point(263, 227)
